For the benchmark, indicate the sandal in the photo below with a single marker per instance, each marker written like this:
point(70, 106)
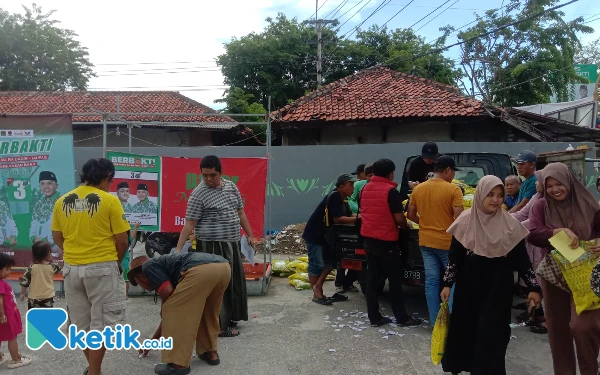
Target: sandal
point(229, 333)
point(25, 360)
point(539, 329)
point(322, 301)
point(167, 369)
point(411, 322)
point(212, 362)
point(383, 321)
point(337, 297)
point(3, 358)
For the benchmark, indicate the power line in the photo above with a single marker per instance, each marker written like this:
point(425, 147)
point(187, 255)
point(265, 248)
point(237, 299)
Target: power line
point(380, 7)
point(439, 14)
point(339, 10)
point(438, 50)
point(336, 9)
point(355, 13)
point(318, 9)
point(349, 10)
point(394, 16)
point(430, 13)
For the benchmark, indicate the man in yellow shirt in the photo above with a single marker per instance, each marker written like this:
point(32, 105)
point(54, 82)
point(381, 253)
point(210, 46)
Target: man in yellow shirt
point(434, 205)
point(89, 225)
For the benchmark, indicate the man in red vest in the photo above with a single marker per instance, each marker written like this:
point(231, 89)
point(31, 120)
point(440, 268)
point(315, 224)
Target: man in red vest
point(382, 213)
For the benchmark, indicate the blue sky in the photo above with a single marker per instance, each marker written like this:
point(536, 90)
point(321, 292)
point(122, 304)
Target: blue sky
point(171, 45)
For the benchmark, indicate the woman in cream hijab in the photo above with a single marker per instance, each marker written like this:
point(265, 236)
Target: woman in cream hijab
point(487, 245)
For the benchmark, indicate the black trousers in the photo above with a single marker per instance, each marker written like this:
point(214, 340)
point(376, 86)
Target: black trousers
point(384, 259)
point(345, 278)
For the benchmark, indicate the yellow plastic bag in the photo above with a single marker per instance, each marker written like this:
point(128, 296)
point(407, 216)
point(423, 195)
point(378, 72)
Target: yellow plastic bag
point(298, 266)
point(440, 331)
point(280, 267)
point(300, 284)
point(299, 276)
point(577, 275)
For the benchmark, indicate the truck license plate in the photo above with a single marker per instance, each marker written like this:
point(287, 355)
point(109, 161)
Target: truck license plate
point(414, 275)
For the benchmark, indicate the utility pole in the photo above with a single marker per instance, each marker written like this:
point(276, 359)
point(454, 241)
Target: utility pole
point(318, 24)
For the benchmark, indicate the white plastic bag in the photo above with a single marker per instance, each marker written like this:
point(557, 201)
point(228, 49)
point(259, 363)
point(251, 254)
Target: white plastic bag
point(247, 250)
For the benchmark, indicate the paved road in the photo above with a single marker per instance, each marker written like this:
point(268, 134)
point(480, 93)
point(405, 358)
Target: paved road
point(288, 334)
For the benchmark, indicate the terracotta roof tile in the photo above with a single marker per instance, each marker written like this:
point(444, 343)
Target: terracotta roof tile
point(106, 101)
point(379, 92)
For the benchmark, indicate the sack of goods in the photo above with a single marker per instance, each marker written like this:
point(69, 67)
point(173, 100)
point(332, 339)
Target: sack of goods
point(578, 275)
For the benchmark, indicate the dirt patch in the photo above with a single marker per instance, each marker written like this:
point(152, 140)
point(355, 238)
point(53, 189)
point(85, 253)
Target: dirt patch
point(289, 240)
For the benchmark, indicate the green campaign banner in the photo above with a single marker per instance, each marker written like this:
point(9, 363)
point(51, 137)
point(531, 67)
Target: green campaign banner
point(584, 90)
point(36, 168)
point(137, 185)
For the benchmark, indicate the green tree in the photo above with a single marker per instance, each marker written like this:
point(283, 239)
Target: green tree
point(589, 53)
point(36, 54)
point(238, 102)
point(280, 61)
point(399, 49)
point(523, 64)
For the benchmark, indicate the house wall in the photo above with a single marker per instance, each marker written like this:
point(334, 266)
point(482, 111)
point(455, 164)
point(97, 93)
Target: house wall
point(144, 137)
point(395, 132)
point(423, 132)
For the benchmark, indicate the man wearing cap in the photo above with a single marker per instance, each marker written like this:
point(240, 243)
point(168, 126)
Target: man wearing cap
point(583, 92)
point(422, 166)
point(360, 172)
point(434, 205)
point(526, 165)
point(191, 287)
point(42, 211)
point(123, 193)
point(145, 205)
point(333, 209)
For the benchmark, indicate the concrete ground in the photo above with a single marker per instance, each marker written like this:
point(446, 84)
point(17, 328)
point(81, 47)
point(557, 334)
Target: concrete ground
point(288, 334)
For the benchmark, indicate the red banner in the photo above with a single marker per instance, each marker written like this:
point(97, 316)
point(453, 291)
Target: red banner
point(181, 175)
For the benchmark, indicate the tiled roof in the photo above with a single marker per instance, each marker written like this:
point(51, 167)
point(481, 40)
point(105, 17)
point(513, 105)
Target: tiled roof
point(378, 93)
point(106, 101)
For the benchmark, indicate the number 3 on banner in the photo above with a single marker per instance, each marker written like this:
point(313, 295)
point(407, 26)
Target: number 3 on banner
point(20, 192)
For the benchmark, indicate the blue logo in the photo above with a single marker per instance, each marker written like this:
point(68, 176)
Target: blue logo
point(44, 326)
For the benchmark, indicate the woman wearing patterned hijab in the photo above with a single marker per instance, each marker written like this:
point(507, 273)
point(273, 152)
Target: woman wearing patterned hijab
point(487, 245)
point(567, 206)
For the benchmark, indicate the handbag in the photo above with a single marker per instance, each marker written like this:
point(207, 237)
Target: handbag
point(551, 272)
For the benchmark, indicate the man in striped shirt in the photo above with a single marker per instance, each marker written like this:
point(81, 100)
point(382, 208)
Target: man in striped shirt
point(215, 212)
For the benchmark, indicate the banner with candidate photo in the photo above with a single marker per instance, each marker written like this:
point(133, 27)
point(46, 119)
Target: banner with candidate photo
point(36, 168)
point(137, 185)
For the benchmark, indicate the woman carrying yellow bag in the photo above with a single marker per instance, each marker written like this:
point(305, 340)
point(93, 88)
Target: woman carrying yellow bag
point(571, 316)
point(487, 245)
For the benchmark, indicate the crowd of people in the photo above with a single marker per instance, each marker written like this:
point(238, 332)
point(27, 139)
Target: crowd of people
point(469, 258)
point(477, 251)
point(202, 290)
